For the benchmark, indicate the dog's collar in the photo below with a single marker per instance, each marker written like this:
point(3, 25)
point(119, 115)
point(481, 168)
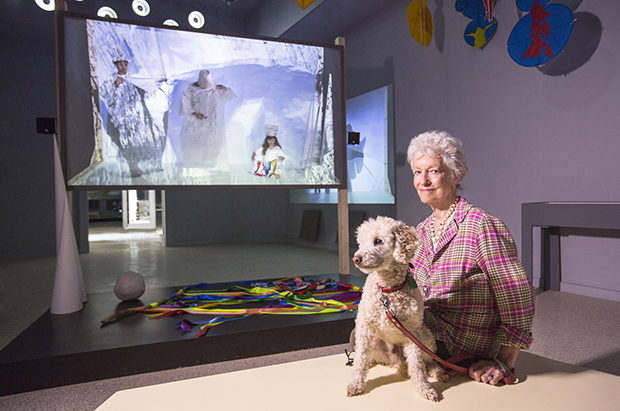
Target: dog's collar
point(399, 287)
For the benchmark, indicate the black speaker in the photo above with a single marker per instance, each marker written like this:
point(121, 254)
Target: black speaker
point(353, 137)
point(309, 229)
point(46, 125)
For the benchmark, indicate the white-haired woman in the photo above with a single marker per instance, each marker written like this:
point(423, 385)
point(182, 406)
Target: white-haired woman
point(478, 298)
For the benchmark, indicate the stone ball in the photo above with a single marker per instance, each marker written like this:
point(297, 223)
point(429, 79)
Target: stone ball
point(129, 286)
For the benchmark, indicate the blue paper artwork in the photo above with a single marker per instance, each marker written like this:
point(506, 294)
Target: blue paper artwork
point(480, 31)
point(541, 34)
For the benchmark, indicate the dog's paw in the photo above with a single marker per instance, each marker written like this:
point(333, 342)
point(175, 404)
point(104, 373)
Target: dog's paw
point(426, 390)
point(438, 373)
point(429, 393)
point(353, 390)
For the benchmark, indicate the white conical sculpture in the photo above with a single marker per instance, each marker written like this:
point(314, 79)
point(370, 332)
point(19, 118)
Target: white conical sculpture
point(69, 294)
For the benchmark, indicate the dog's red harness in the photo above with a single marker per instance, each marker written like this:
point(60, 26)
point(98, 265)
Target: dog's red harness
point(508, 379)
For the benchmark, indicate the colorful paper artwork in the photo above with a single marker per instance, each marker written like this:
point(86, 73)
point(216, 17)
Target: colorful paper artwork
point(304, 3)
point(420, 22)
point(488, 5)
point(480, 31)
point(541, 34)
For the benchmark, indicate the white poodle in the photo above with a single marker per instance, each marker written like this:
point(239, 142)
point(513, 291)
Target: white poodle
point(385, 248)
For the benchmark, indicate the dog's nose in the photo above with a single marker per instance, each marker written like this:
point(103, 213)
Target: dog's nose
point(357, 259)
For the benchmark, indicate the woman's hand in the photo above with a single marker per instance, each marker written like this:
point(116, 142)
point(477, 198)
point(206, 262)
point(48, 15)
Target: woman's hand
point(486, 371)
point(489, 371)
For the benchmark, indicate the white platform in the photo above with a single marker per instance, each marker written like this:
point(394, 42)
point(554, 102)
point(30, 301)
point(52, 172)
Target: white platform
point(320, 383)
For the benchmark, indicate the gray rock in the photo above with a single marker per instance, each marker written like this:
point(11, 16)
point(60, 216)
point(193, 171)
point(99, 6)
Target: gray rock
point(129, 286)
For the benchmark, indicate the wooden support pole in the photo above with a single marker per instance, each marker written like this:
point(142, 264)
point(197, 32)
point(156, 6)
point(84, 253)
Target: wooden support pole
point(343, 209)
point(343, 231)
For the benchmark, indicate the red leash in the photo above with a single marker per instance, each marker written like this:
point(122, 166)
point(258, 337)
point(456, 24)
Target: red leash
point(444, 363)
point(509, 375)
point(508, 379)
point(398, 325)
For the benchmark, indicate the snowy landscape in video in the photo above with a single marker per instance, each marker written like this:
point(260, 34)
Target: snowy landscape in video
point(189, 108)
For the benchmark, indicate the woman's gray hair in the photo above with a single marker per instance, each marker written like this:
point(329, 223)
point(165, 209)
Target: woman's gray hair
point(439, 144)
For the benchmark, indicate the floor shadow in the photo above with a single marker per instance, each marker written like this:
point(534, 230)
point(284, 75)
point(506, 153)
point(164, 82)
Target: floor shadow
point(609, 363)
point(531, 364)
point(439, 386)
point(377, 382)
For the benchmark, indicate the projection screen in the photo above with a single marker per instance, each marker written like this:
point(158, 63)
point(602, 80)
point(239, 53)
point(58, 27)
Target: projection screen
point(156, 107)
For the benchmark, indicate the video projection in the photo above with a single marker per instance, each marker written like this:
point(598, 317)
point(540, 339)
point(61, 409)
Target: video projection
point(369, 153)
point(157, 107)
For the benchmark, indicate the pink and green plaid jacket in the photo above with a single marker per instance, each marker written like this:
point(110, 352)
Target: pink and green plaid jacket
point(476, 293)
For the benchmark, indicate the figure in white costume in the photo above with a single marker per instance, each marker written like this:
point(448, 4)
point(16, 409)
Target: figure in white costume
point(203, 136)
point(268, 157)
point(140, 140)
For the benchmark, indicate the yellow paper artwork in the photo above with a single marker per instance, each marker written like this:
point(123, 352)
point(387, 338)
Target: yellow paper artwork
point(420, 22)
point(304, 3)
point(480, 39)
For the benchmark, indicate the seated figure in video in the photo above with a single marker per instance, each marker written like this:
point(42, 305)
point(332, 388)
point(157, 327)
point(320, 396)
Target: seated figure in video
point(267, 157)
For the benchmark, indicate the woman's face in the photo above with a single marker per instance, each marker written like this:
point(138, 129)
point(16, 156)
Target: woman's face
point(433, 182)
point(121, 66)
point(271, 141)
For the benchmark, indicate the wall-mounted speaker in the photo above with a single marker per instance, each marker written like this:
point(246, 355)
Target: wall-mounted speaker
point(353, 137)
point(46, 125)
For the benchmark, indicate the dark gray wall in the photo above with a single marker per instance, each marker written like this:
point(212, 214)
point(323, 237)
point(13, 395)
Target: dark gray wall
point(217, 216)
point(271, 18)
point(28, 76)
point(193, 217)
point(28, 83)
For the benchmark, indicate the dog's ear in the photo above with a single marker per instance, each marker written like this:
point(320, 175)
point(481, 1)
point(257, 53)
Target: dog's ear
point(405, 242)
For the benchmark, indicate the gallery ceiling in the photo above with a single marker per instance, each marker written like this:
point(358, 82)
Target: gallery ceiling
point(239, 9)
point(322, 22)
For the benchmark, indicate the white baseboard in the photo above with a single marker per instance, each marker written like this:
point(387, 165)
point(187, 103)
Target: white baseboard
point(606, 294)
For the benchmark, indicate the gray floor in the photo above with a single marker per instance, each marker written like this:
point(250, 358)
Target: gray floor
point(567, 327)
point(114, 251)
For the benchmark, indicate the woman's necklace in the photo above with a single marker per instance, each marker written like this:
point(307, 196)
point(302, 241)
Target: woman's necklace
point(441, 225)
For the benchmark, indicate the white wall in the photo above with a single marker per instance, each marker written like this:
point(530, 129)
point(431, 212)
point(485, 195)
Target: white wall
point(528, 137)
point(590, 266)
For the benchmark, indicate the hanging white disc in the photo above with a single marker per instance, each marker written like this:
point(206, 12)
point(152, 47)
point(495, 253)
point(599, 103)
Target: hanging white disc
point(196, 19)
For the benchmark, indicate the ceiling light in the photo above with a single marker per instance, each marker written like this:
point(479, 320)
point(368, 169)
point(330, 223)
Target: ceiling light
point(170, 22)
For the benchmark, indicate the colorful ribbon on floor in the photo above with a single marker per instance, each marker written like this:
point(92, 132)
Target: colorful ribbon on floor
point(290, 296)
